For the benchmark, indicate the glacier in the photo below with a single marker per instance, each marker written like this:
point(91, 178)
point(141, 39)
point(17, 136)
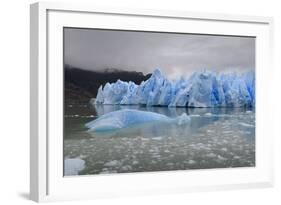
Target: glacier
point(201, 89)
point(128, 117)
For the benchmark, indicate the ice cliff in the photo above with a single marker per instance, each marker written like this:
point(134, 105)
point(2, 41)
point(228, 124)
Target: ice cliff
point(127, 117)
point(202, 89)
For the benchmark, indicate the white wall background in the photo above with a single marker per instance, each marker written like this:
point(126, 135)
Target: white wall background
point(14, 101)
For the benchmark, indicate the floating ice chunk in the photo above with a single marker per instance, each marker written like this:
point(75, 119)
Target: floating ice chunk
point(157, 138)
point(183, 119)
point(191, 161)
point(135, 162)
point(227, 132)
point(126, 168)
point(126, 117)
point(73, 166)
point(221, 158)
point(113, 163)
point(224, 149)
point(194, 115)
point(246, 125)
point(170, 164)
point(211, 155)
point(108, 172)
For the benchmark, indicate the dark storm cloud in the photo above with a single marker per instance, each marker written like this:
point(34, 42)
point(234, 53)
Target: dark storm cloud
point(174, 54)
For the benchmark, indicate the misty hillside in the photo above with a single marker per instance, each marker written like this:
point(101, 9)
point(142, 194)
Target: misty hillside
point(82, 85)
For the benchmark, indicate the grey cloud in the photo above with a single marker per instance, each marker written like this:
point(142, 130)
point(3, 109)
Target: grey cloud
point(175, 54)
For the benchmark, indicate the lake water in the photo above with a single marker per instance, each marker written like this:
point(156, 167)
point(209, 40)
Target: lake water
point(214, 138)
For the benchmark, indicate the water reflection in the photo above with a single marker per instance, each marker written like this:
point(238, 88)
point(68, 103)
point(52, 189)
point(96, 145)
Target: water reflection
point(215, 138)
point(169, 111)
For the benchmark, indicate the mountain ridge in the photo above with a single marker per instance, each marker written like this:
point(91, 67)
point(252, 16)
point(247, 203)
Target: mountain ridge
point(81, 85)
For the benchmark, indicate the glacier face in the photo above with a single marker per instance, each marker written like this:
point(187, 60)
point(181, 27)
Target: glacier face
point(127, 117)
point(202, 89)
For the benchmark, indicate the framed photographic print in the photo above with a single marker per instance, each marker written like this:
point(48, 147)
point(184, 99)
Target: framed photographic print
point(127, 102)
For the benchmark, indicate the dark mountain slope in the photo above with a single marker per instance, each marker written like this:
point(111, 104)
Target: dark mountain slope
point(82, 85)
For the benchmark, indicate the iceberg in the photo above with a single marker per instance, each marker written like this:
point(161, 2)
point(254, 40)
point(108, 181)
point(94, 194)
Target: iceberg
point(128, 117)
point(73, 166)
point(202, 89)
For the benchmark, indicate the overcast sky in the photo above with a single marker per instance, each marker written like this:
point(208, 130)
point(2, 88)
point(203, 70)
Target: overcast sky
point(174, 54)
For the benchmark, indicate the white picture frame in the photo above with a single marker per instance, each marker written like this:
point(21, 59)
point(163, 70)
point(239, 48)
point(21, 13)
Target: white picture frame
point(46, 161)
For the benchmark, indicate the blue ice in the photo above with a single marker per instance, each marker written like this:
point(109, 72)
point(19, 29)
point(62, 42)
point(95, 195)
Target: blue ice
point(202, 89)
point(128, 117)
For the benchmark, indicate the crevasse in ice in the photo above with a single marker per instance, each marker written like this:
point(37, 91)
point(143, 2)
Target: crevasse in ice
point(127, 117)
point(202, 89)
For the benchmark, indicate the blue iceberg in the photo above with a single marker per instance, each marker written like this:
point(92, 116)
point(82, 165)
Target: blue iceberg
point(202, 89)
point(128, 117)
